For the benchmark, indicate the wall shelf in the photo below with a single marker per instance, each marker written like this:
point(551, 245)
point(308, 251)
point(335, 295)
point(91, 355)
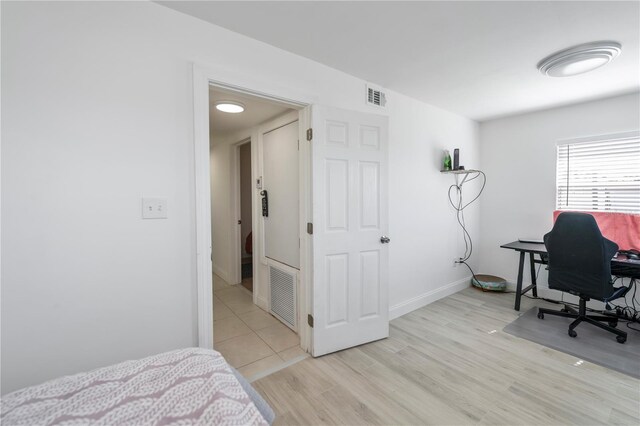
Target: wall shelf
point(466, 174)
point(460, 172)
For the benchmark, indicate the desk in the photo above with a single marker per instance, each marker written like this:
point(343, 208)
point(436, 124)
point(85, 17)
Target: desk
point(620, 266)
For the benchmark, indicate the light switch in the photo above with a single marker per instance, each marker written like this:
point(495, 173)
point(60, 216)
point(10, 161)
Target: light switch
point(154, 208)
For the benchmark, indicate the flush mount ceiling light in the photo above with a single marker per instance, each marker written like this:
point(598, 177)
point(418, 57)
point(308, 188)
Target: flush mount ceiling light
point(579, 59)
point(229, 106)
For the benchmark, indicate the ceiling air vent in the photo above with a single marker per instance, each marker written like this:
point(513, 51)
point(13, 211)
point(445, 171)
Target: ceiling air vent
point(375, 96)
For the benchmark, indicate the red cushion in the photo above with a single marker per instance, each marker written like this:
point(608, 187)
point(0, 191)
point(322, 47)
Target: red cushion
point(621, 228)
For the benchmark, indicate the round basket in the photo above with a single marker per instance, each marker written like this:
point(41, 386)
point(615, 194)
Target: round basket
point(489, 282)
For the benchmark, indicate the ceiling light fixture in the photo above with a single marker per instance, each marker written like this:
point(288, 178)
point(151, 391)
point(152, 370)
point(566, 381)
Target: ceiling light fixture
point(579, 59)
point(229, 106)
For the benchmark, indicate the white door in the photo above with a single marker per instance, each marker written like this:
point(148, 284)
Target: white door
point(350, 223)
point(281, 181)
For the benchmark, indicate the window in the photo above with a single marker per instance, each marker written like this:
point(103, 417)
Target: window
point(599, 174)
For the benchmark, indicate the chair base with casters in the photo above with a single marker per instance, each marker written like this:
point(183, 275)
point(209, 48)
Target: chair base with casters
point(581, 315)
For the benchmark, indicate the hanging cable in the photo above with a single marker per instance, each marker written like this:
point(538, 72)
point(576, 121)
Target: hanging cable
point(460, 206)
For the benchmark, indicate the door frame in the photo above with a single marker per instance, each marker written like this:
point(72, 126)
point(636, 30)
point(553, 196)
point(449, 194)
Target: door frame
point(235, 255)
point(203, 78)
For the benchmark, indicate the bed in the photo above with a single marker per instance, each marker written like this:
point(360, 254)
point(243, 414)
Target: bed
point(184, 387)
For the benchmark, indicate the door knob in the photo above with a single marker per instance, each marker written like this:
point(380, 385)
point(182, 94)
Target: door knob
point(384, 239)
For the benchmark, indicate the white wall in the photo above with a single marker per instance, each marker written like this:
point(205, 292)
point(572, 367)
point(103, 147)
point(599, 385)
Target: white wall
point(221, 231)
point(425, 236)
point(518, 154)
point(97, 112)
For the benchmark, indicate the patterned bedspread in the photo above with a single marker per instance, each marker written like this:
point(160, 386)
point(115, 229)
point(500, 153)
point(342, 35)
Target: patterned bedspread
point(184, 387)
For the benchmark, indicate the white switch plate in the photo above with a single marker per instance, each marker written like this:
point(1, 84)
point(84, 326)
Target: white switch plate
point(154, 208)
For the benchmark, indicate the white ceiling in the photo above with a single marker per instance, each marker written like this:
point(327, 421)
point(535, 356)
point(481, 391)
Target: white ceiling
point(257, 111)
point(474, 58)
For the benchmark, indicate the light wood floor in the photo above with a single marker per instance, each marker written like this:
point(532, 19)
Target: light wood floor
point(445, 364)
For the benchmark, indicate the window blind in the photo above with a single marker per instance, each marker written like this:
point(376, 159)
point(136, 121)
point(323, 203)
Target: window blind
point(600, 174)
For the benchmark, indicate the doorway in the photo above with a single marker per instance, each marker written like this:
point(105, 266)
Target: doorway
point(343, 216)
point(254, 165)
point(246, 216)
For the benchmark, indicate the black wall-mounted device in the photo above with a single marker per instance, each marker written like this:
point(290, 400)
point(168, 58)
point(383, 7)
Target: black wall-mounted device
point(265, 203)
point(456, 159)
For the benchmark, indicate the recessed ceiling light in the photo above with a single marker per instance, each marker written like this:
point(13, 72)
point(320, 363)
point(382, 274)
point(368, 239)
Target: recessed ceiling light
point(229, 106)
point(579, 59)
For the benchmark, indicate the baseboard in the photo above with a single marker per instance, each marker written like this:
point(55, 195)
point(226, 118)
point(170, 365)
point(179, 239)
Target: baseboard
point(220, 272)
point(262, 303)
point(418, 302)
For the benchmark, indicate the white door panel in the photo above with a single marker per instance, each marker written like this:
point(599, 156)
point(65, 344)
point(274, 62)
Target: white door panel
point(281, 181)
point(350, 276)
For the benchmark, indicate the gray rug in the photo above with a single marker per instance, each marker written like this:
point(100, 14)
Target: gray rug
point(592, 344)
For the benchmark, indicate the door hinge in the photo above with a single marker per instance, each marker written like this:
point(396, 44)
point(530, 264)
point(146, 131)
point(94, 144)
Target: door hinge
point(310, 228)
point(310, 321)
point(309, 133)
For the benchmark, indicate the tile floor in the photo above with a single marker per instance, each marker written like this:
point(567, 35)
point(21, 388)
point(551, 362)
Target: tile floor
point(250, 339)
point(247, 283)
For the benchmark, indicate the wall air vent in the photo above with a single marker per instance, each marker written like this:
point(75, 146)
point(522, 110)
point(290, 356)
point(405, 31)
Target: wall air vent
point(375, 96)
point(283, 295)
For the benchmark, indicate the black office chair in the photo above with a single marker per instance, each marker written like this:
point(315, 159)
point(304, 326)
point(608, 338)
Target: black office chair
point(580, 264)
